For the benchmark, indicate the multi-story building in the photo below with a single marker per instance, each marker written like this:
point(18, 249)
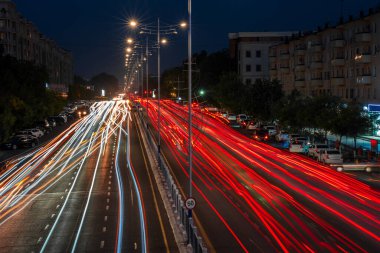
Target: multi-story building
point(250, 50)
point(21, 39)
point(341, 60)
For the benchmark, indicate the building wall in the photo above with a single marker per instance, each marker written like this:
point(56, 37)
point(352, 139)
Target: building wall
point(342, 61)
point(21, 39)
point(251, 53)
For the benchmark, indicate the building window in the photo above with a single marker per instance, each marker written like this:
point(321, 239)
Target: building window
point(258, 54)
point(248, 68)
point(248, 81)
point(258, 68)
point(248, 54)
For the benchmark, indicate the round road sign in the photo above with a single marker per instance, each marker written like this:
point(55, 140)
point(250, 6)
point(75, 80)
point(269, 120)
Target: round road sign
point(190, 203)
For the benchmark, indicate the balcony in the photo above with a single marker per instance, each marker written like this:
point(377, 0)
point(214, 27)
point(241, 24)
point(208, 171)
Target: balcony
point(284, 69)
point(284, 55)
point(316, 82)
point(338, 81)
point(363, 37)
point(316, 65)
point(363, 80)
point(273, 72)
point(363, 58)
point(299, 51)
point(300, 67)
point(338, 43)
point(300, 83)
point(316, 46)
point(338, 62)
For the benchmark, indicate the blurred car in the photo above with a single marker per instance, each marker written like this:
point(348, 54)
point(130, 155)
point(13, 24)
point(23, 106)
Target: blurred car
point(282, 136)
point(360, 166)
point(20, 142)
point(314, 149)
point(251, 125)
point(261, 135)
point(234, 124)
point(244, 123)
point(330, 156)
point(241, 117)
point(231, 116)
point(52, 122)
point(271, 130)
point(296, 146)
point(35, 132)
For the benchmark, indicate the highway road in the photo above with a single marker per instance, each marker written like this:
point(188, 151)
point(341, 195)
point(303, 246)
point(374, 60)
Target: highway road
point(252, 197)
point(89, 189)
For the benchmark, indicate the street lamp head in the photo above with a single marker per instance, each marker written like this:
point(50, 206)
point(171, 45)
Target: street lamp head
point(164, 41)
point(183, 24)
point(133, 23)
point(129, 49)
point(129, 40)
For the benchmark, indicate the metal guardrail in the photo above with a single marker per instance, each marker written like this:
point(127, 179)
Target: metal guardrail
point(182, 214)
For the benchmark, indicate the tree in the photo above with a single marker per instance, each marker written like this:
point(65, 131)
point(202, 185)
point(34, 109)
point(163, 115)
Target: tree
point(230, 91)
point(106, 82)
point(351, 121)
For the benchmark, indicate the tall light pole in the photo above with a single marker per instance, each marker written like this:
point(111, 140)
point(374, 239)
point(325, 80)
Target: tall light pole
point(159, 93)
point(189, 52)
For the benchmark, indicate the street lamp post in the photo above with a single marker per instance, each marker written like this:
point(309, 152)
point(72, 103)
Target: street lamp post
point(189, 52)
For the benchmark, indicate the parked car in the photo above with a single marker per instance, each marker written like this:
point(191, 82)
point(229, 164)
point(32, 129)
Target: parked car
point(52, 122)
point(360, 166)
point(241, 117)
point(231, 116)
point(234, 124)
point(282, 136)
point(297, 145)
point(261, 135)
point(251, 125)
point(35, 132)
point(271, 130)
point(20, 142)
point(59, 120)
point(330, 156)
point(43, 125)
point(315, 148)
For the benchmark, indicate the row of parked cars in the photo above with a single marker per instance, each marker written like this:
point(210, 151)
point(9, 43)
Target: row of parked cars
point(297, 143)
point(30, 137)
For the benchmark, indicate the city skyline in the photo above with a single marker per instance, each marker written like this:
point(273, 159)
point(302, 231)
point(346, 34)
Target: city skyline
point(95, 34)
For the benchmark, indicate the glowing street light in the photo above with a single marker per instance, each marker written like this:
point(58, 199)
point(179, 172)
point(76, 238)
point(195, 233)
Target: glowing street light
point(133, 23)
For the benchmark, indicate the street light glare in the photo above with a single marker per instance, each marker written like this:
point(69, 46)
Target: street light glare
point(129, 41)
point(133, 23)
point(164, 41)
point(129, 49)
point(183, 25)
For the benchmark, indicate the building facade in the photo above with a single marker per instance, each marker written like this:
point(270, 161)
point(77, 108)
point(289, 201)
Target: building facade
point(341, 60)
point(21, 39)
point(250, 50)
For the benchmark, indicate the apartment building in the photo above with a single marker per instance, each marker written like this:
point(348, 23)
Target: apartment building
point(21, 39)
point(341, 60)
point(250, 50)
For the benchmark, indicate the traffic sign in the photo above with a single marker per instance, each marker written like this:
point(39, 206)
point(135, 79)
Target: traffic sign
point(190, 203)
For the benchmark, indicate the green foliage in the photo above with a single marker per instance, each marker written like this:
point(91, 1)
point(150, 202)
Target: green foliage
point(106, 82)
point(230, 92)
point(24, 98)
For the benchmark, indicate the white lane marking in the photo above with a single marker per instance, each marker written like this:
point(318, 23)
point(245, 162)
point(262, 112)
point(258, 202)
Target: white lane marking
point(52, 216)
point(109, 182)
point(39, 240)
point(57, 206)
point(108, 193)
point(109, 188)
point(107, 207)
point(46, 227)
point(102, 244)
point(105, 218)
point(110, 177)
point(135, 246)
point(69, 183)
point(61, 197)
point(66, 190)
point(108, 200)
point(104, 229)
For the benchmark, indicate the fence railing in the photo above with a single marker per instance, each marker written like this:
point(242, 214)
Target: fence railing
point(185, 223)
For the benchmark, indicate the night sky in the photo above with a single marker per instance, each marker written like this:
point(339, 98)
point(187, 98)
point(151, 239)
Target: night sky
point(94, 31)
